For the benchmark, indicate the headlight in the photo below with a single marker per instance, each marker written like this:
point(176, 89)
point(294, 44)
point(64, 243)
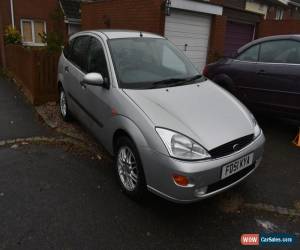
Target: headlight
point(182, 147)
point(257, 129)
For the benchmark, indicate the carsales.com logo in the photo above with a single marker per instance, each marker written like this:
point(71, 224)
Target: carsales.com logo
point(268, 239)
point(250, 239)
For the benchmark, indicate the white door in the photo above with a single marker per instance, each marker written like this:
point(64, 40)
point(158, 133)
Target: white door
point(190, 32)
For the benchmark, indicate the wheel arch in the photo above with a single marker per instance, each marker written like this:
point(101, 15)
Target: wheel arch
point(118, 134)
point(126, 127)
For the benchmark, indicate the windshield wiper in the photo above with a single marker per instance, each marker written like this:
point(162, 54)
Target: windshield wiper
point(194, 78)
point(168, 81)
point(172, 82)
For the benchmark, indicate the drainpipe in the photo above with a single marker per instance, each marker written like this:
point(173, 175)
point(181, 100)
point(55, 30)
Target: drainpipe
point(12, 13)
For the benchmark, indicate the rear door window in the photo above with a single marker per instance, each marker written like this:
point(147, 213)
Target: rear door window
point(283, 51)
point(80, 51)
point(250, 54)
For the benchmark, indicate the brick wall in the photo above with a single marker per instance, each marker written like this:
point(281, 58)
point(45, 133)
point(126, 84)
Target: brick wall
point(217, 38)
point(35, 9)
point(275, 27)
point(144, 15)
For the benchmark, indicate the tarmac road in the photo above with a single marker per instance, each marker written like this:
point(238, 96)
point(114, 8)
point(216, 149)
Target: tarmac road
point(54, 199)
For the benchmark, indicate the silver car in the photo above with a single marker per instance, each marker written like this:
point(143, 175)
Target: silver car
point(170, 130)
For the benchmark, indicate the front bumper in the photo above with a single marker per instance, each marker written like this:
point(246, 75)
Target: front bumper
point(160, 168)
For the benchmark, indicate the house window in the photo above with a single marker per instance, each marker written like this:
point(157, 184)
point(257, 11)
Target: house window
point(31, 31)
point(279, 14)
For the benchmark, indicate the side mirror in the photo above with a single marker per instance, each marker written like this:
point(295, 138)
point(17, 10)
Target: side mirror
point(94, 79)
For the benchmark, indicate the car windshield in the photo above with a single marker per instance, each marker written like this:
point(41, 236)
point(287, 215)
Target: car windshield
point(142, 63)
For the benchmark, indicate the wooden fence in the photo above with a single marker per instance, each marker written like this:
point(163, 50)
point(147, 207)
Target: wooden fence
point(34, 69)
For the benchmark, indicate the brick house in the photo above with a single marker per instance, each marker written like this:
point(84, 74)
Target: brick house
point(35, 17)
point(204, 30)
point(242, 20)
point(187, 23)
point(288, 10)
point(236, 27)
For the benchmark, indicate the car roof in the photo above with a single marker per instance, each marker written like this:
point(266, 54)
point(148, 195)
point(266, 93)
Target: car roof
point(115, 34)
point(269, 38)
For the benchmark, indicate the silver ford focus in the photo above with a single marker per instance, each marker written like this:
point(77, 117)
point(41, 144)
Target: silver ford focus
point(170, 130)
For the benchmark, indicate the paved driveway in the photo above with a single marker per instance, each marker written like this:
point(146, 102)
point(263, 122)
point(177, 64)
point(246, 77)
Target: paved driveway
point(53, 199)
point(17, 117)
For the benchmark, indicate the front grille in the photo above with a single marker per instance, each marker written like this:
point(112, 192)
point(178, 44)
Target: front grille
point(229, 180)
point(228, 148)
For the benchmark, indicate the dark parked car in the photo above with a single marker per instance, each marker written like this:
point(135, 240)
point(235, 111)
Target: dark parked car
point(264, 74)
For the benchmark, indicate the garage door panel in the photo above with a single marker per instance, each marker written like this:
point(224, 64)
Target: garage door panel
point(185, 34)
point(197, 23)
point(193, 49)
point(195, 54)
point(187, 28)
point(192, 42)
point(191, 29)
point(187, 16)
point(237, 35)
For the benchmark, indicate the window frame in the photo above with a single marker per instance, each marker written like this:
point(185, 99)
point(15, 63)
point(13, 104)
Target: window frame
point(32, 21)
point(70, 47)
point(72, 40)
point(276, 40)
point(245, 50)
point(279, 14)
point(105, 58)
point(71, 59)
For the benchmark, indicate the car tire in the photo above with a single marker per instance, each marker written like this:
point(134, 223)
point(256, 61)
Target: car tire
point(63, 105)
point(129, 170)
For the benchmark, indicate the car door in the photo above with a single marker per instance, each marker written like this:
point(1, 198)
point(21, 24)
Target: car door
point(75, 69)
point(242, 71)
point(97, 102)
point(278, 76)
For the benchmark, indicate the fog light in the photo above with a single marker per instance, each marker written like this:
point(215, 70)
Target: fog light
point(200, 191)
point(181, 180)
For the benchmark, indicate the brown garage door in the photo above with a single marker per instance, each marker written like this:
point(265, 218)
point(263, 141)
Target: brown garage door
point(237, 35)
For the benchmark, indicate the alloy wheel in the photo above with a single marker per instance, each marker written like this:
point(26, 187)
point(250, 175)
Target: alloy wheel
point(127, 168)
point(63, 104)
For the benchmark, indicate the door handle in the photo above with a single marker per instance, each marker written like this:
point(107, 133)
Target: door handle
point(67, 69)
point(261, 72)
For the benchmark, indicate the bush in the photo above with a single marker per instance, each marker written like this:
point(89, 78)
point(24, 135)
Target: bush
point(12, 36)
point(53, 40)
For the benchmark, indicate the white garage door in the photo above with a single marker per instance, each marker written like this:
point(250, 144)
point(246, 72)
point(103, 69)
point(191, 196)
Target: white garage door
point(190, 32)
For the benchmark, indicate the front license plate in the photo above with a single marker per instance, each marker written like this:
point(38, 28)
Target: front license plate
point(237, 166)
